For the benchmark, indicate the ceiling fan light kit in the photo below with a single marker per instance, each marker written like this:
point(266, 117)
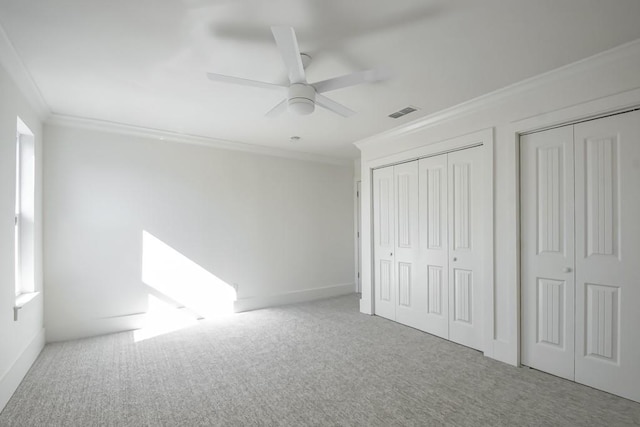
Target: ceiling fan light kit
point(302, 97)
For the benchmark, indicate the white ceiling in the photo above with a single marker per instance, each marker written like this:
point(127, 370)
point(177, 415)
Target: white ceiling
point(143, 62)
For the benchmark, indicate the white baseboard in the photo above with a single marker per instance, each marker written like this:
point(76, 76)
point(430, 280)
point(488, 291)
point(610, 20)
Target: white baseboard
point(11, 380)
point(103, 326)
point(255, 303)
point(505, 352)
point(94, 327)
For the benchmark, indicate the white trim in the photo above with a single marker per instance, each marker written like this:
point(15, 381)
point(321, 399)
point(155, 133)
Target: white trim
point(489, 247)
point(25, 298)
point(356, 233)
point(254, 303)
point(457, 143)
point(16, 68)
point(22, 300)
point(366, 241)
point(588, 110)
point(12, 378)
point(97, 327)
point(22, 128)
point(514, 90)
point(163, 135)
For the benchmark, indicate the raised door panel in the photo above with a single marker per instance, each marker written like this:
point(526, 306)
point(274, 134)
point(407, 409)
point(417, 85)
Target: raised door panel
point(463, 296)
point(550, 312)
point(465, 218)
point(607, 159)
point(410, 277)
point(547, 249)
point(600, 176)
point(384, 242)
point(549, 198)
point(434, 258)
point(461, 206)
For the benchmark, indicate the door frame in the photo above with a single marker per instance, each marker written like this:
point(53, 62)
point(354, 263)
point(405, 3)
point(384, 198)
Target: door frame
point(357, 193)
point(484, 138)
point(591, 110)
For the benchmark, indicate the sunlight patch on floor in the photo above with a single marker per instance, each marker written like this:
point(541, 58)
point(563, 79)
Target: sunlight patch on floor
point(163, 318)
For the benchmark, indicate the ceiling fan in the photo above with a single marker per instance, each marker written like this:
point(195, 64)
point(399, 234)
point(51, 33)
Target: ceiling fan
point(302, 97)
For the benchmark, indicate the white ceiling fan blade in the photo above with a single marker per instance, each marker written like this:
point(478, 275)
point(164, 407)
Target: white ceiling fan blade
point(332, 105)
point(359, 77)
point(288, 45)
point(244, 82)
point(278, 109)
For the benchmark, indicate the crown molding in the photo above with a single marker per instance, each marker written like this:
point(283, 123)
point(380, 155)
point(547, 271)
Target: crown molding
point(168, 136)
point(482, 102)
point(17, 70)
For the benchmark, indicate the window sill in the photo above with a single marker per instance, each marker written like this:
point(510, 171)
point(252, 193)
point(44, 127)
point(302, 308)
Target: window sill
point(22, 300)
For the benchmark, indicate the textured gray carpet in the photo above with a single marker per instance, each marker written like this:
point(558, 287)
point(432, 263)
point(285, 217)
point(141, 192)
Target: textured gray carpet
point(319, 363)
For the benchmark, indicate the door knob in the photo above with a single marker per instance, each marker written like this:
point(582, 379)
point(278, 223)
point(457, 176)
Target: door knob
point(567, 270)
point(455, 259)
point(391, 254)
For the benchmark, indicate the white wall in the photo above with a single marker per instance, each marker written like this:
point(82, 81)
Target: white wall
point(281, 229)
point(593, 86)
point(20, 341)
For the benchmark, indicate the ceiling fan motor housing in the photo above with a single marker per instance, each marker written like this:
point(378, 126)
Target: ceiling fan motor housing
point(301, 98)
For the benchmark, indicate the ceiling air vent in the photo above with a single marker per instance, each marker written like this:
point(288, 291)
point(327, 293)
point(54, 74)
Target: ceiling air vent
point(403, 112)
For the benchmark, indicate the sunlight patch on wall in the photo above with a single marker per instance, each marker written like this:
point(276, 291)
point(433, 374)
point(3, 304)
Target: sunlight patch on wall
point(183, 281)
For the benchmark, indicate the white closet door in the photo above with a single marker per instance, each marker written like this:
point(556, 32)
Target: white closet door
point(384, 242)
point(434, 256)
point(428, 252)
point(411, 300)
point(465, 247)
point(547, 251)
point(608, 254)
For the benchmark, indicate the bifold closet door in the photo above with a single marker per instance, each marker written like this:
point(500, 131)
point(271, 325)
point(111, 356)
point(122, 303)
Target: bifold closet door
point(595, 267)
point(409, 273)
point(547, 251)
point(384, 242)
point(451, 255)
point(398, 292)
point(427, 220)
point(608, 254)
point(434, 236)
point(465, 218)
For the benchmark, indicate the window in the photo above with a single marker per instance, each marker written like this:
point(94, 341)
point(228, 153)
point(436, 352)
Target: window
point(25, 210)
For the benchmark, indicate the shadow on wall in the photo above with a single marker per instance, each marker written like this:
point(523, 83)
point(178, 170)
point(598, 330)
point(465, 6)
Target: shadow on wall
point(181, 290)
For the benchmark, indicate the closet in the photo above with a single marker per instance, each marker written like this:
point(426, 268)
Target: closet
point(580, 251)
point(428, 262)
